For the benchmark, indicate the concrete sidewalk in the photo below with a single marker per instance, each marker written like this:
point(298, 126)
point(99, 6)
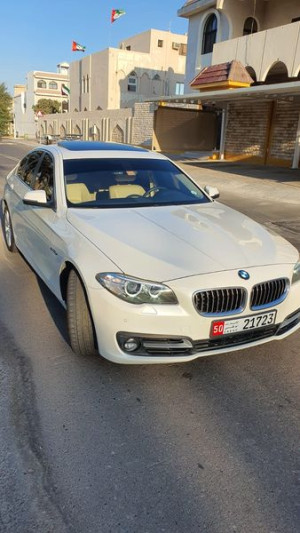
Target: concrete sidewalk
point(277, 183)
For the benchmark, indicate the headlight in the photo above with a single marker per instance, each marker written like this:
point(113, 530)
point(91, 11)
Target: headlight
point(136, 291)
point(296, 273)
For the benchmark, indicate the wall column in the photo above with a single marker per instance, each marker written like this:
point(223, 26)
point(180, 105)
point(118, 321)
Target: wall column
point(128, 137)
point(223, 131)
point(295, 163)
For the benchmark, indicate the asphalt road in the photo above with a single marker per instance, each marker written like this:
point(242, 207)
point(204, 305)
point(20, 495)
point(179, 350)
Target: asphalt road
point(87, 446)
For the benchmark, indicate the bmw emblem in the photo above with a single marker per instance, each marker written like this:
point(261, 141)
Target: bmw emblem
point(243, 274)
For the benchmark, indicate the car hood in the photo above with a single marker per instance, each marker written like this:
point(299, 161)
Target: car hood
point(167, 242)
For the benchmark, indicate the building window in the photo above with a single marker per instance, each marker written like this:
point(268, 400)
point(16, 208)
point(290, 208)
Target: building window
point(183, 49)
point(87, 83)
point(132, 82)
point(160, 43)
point(41, 84)
point(179, 89)
point(83, 85)
point(250, 26)
point(52, 85)
point(128, 47)
point(209, 34)
point(156, 77)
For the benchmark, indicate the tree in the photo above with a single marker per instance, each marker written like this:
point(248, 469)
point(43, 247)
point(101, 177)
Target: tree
point(47, 106)
point(5, 109)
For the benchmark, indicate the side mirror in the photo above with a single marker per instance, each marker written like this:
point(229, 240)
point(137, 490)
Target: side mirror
point(37, 198)
point(213, 192)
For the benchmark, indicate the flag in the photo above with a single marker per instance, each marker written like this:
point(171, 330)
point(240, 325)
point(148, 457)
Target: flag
point(77, 47)
point(65, 91)
point(116, 13)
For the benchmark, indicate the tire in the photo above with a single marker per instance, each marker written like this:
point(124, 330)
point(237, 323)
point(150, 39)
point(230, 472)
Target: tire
point(8, 230)
point(80, 324)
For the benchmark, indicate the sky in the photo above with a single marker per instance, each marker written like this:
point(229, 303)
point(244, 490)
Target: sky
point(38, 34)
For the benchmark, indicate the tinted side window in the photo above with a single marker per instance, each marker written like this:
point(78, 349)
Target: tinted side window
point(45, 177)
point(28, 167)
point(21, 168)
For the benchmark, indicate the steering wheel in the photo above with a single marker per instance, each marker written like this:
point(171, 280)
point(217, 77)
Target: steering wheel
point(153, 189)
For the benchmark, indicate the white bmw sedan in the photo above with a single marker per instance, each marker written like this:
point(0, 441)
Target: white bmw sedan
point(150, 268)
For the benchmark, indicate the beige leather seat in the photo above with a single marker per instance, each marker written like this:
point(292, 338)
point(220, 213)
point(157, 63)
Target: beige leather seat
point(123, 191)
point(78, 192)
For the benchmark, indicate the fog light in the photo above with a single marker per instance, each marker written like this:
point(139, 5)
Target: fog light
point(131, 344)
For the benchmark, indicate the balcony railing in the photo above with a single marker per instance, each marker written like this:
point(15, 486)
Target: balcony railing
point(262, 50)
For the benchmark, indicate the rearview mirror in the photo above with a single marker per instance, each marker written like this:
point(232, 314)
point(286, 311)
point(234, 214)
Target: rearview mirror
point(37, 198)
point(213, 192)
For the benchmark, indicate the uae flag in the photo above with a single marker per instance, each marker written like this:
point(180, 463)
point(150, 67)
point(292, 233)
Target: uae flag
point(116, 13)
point(65, 91)
point(77, 47)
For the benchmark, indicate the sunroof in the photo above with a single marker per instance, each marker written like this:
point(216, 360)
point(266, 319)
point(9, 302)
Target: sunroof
point(76, 146)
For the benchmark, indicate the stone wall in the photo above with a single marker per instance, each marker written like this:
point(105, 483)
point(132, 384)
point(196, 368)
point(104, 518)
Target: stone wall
point(263, 131)
point(143, 120)
point(285, 130)
point(247, 128)
point(131, 125)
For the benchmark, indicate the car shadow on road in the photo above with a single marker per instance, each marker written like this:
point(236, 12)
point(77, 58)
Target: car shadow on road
point(56, 310)
point(59, 317)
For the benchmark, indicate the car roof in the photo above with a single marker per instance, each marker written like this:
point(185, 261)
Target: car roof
point(76, 146)
point(95, 149)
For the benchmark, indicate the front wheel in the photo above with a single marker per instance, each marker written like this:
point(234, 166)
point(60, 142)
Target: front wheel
point(80, 323)
point(8, 230)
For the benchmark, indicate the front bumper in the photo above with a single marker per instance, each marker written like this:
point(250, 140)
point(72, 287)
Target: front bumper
point(179, 346)
point(178, 333)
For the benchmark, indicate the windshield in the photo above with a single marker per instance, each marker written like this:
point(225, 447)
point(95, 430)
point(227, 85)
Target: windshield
point(128, 182)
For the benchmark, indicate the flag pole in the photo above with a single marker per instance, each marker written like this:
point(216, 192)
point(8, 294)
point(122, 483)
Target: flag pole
point(109, 35)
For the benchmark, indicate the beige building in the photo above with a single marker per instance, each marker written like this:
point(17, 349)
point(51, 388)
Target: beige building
point(40, 84)
point(260, 122)
point(110, 89)
point(145, 65)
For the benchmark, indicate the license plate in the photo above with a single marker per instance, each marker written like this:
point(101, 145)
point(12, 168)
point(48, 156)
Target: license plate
point(236, 325)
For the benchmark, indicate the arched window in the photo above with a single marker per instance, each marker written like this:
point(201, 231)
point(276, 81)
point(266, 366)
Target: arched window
point(132, 82)
point(209, 34)
point(41, 84)
point(52, 85)
point(250, 26)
